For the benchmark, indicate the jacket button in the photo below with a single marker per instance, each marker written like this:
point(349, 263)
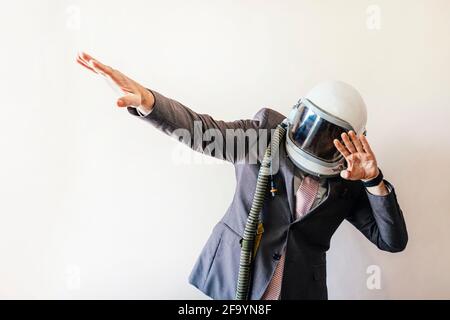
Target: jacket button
point(276, 256)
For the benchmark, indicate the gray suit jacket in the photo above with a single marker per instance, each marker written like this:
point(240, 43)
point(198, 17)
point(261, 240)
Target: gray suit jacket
point(215, 273)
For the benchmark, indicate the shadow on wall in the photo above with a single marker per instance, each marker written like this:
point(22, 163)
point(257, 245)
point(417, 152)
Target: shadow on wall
point(358, 270)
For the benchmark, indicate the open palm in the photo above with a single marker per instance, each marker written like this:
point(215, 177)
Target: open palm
point(361, 161)
point(135, 95)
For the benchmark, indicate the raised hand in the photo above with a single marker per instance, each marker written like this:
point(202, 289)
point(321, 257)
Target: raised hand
point(135, 95)
point(361, 161)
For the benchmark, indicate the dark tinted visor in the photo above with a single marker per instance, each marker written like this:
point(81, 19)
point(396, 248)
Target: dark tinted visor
point(314, 135)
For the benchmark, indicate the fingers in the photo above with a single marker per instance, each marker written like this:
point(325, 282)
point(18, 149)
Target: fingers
point(365, 144)
point(133, 100)
point(94, 64)
point(356, 141)
point(117, 77)
point(81, 62)
point(102, 68)
point(84, 63)
point(85, 60)
point(352, 142)
point(114, 75)
point(341, 148)
point(85, 56)
point(348, 144)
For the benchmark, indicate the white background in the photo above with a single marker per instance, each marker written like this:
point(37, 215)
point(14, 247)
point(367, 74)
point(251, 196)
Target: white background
point(92, 201)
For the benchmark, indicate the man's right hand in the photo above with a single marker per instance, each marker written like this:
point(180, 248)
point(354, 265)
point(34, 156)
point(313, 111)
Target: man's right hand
point(135, 95)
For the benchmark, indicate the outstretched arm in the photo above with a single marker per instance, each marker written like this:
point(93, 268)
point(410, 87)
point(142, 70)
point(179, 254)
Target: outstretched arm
point(232, 141)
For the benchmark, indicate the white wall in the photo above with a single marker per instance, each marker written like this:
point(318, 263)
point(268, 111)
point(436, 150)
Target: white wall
point(93, 204)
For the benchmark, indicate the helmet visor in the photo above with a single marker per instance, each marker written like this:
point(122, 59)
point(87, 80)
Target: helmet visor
point(313, 134)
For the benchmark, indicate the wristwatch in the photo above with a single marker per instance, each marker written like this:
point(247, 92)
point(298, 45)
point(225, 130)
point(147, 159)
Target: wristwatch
point(375, 181)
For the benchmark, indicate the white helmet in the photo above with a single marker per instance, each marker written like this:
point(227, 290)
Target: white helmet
point(328, 110)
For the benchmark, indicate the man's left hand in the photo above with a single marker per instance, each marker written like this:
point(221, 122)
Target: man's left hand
point(361, 161)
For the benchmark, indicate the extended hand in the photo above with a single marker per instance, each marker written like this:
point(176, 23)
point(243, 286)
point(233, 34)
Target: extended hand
point(361, 162)
point(135, 95)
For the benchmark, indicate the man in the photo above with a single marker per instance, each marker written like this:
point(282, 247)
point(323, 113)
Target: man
point(319, 182)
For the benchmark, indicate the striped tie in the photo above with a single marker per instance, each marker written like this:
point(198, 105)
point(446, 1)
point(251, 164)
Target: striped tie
point(305, 197)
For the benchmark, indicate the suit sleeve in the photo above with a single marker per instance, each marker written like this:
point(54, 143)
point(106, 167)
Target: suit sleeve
point(229, 141)
point(380, 219)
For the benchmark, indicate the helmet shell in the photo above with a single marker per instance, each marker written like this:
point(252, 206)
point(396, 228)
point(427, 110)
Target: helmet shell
point(342, 101)
point(338, 102)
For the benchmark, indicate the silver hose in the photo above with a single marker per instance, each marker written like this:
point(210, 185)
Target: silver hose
point(254, 217)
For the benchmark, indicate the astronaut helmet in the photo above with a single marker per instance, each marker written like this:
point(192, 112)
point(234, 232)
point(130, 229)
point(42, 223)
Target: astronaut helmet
point(321, 116)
